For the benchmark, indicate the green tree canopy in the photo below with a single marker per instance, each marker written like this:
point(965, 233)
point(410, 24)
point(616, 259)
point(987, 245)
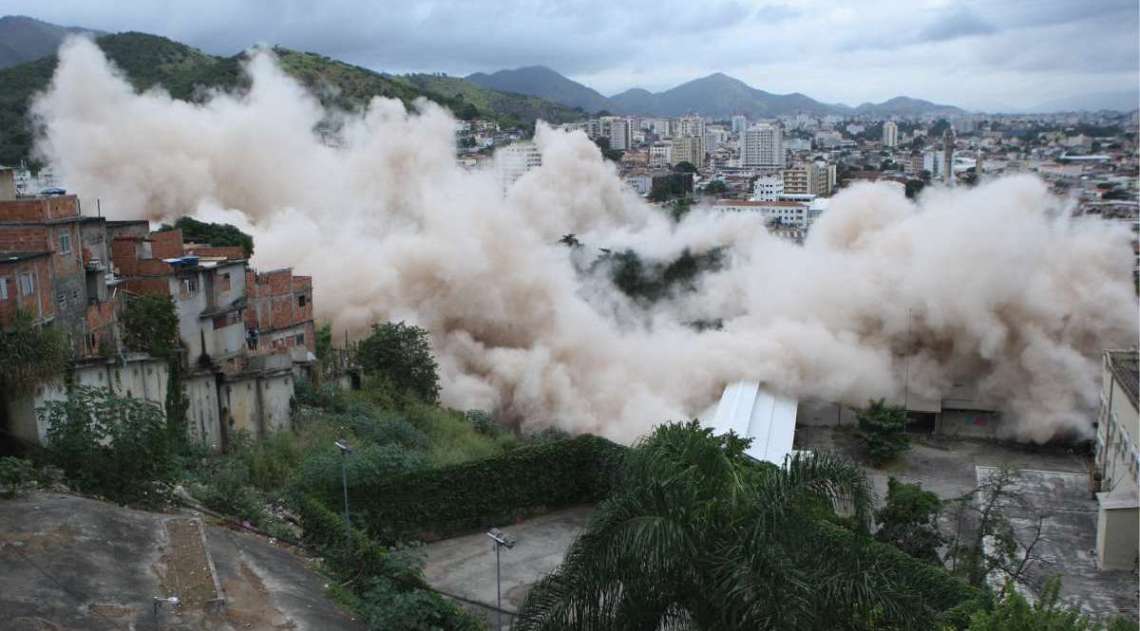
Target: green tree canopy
point(909, 521)
point(700, 536)
point(31, 354)
point(400, 354)
point(215, 234)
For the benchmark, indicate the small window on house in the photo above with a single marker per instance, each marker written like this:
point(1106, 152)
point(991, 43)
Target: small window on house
point(61, 299)
point(27, 284)
point(75, 295)
point(65, 244)
point(226, 281)
point(301, 300)
point(301, 339)
point(189, 286)
point(3, 288)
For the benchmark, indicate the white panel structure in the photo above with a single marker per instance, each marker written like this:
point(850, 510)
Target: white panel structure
point(753, 412)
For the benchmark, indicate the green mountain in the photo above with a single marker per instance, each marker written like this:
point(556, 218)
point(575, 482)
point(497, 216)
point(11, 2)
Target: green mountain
point(188, 73)
point(544, 82)
point(25, 39)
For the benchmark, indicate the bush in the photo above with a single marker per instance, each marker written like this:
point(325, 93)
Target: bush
point(31, 355)
point(370, 465)
point(108, 445)
point(883, 430)
point(14, 474)
point(436, 503)
point(1014, 613)
point(392, 595)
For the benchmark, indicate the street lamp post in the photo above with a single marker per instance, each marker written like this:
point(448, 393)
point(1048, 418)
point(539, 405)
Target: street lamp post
point(345, 450)
point(500, 539)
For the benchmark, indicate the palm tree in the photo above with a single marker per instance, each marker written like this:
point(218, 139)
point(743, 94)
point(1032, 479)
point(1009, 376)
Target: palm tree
point(699, 536)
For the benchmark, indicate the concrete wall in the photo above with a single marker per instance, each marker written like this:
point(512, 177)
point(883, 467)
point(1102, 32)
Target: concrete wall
point(968, 424)
point(1114, 452)
point(1116, 537)
point(258, 405)
point(203, 415)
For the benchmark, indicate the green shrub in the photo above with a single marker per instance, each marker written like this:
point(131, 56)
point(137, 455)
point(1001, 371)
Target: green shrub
point(883, 430)
point(435, 503)
point(31, 355)
point(1049, 613)
point(14, 474)
point(112, 446)
point(370, 465)
point(228, 490)
point(909, 521)
point(391, 592)
point(401, 354)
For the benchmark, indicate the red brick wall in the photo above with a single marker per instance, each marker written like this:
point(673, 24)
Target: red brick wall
point(124, 255)
point(229, 251)
point(10, 272)
point(40, 208)
point(24, 238)
point(166, 245)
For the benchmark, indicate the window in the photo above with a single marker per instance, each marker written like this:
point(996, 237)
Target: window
point(65, 243)
point(301, 339)
point(3, 287)
point(61, 299)
point(226, 281)
point(301, 300)
point(189, 286)
point(27, 284)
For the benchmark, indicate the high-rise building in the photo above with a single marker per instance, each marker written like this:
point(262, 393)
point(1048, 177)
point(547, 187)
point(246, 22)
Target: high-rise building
point(739, 124)
point(823, 179)
point(689, 149)
point(619, 131)
point(661, 154)
point(890, 134)
point(690, 126)
point(763, 147)
point(948, 155)
point(798, 180)
point(514, 160)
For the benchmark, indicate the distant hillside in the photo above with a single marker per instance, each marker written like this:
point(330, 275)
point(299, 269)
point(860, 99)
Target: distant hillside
point(510, 107)
point(717, 95)
point(185, 72)
point(545, 83)
point(24, 39)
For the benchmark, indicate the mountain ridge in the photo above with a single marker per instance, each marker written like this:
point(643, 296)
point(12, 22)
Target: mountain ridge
point(24, 39)
point(716, 95)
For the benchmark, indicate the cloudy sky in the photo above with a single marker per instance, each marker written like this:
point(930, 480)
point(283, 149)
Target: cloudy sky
point(979, 54)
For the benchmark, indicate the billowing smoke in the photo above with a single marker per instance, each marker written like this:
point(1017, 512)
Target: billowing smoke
point(995, 285)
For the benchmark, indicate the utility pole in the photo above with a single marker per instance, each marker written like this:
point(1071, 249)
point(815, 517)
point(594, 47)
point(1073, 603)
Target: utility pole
point(500, 539)
point(345, 450)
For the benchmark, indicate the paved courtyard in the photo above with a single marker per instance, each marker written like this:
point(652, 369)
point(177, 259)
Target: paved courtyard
point(465, 566)
point(1055, 483)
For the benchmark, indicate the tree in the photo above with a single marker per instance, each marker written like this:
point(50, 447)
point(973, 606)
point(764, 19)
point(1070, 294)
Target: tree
point(981, 516)
point(883, 430)
point(401, 354)
point(679, 208)
point(715, 187)
point(909, 520)
point(684, 166)
point(31, 355)
point(215, 234)
point(913, 188)
point(698, 535)
point(150, 325)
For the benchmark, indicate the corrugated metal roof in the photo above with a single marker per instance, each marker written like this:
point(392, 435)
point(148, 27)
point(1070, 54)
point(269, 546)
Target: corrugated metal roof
point(753, 412)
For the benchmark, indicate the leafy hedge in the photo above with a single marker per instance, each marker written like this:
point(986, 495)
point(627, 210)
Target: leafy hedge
point(389, 591)
point(438, 503)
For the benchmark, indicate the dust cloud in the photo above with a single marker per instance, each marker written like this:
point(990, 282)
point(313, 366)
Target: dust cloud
point(996, 286)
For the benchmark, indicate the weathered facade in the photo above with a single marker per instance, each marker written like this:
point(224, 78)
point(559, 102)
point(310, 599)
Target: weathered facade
point(1117, 463)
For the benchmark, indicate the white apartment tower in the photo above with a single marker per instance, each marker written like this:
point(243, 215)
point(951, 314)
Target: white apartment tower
point(689, 149)
point(890, 134)
point(514, 160)
point(739, 124)
point(763, 147)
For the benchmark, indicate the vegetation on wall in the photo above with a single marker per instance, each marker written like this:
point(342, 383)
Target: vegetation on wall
point(31, 355)
point(150, 325)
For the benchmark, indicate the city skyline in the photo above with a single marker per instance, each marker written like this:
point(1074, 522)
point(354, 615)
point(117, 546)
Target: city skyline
point(993, 56)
